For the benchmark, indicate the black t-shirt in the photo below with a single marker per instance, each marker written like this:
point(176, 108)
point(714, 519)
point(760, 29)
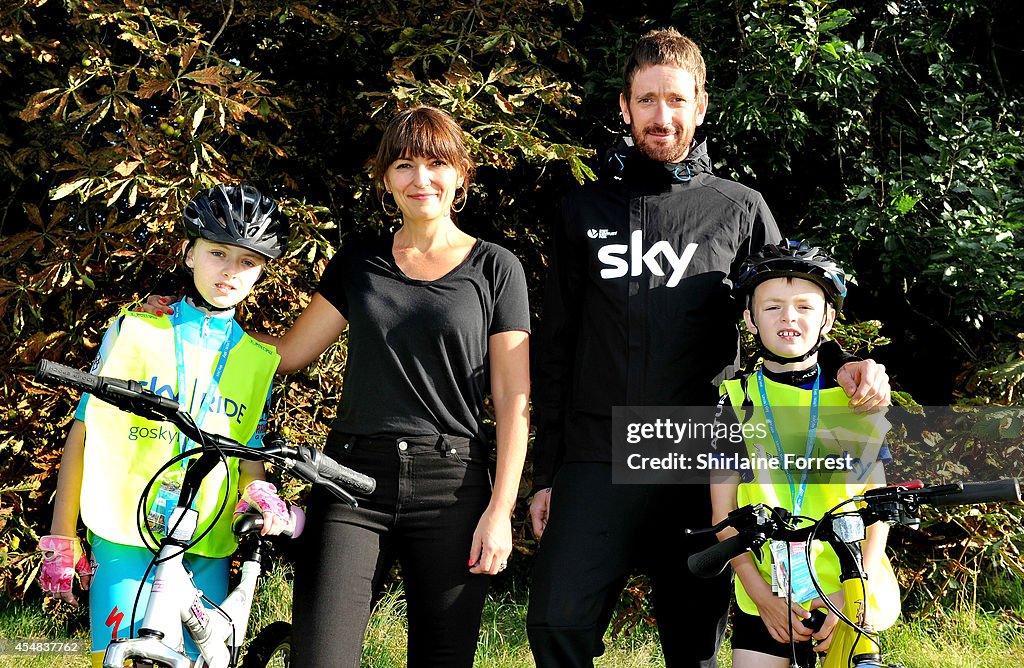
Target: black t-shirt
point(418, 359)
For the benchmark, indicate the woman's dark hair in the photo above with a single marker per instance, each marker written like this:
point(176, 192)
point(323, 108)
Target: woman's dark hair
point(422, 132)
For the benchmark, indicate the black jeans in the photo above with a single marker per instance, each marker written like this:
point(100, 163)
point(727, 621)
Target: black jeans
point(430, 495)
point(597, 534)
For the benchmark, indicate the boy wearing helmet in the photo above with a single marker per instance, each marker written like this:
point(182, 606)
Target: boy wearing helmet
point(200, 357)
point(793, 292)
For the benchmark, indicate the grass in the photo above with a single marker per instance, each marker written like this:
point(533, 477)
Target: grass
point(34, 622)
point(960, 640)
point(964, 638)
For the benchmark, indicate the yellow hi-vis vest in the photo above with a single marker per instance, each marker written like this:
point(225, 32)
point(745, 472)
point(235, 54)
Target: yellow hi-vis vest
point(842, 435)
point(123, 451)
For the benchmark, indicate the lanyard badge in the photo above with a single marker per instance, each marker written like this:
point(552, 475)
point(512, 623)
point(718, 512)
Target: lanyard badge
point(166, 498)
point(790, 570)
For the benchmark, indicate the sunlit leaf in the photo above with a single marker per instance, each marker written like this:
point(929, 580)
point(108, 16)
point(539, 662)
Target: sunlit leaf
point(68, 188)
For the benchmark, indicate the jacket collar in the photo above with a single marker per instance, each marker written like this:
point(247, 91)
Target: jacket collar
point(625, 161)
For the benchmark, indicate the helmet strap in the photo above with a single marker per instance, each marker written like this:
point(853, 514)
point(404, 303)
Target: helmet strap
point(769, 355)
point(192, 292)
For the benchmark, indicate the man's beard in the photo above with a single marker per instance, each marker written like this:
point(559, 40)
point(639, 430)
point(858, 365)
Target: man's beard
point(658, 151)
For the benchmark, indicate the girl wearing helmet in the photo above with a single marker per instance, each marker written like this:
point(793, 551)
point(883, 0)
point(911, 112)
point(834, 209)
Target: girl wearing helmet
point(201, 357)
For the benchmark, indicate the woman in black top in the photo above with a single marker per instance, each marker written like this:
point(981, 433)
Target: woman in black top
point(436, 319)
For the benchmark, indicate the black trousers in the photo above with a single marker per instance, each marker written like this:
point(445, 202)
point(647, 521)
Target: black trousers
point(430, 495)
point(597, 534)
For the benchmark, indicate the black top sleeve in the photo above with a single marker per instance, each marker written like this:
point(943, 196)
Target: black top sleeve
point(831, 358)
point(511, 298)
point(332, 282)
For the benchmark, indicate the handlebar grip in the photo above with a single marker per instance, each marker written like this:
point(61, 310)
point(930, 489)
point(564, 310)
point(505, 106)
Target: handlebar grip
point(346, 477)
point(711, 561)
point(252, 521)
point(996, 491)
point(59, 374)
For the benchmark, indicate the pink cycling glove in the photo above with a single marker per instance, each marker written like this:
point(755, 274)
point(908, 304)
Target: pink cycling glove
point(63, 557)
point(262, 495)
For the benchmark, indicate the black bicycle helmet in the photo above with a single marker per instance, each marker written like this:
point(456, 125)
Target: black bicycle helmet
point(240, 216)
point(793, 259)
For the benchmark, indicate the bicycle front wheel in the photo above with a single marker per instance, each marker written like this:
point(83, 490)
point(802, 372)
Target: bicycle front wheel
point(271, 648)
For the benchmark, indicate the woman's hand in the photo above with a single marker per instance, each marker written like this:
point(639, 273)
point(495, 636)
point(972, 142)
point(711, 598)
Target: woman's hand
point(540, 511)
point(492, 543)
point(157, 305)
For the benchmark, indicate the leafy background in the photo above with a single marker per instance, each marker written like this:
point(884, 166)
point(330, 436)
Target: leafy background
point(888, 130)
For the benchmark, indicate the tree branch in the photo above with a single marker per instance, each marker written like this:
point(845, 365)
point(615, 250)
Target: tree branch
point(227, 18)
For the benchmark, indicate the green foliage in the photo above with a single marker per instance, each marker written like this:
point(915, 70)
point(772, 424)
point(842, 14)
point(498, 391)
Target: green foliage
point(945, 566)
point(961, 639)
point(887, 130)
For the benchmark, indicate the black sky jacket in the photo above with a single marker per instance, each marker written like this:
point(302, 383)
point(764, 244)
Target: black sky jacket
point(637, 308)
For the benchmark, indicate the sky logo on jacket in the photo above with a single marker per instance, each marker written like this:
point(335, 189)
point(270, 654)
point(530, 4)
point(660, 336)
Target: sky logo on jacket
point(622, 259)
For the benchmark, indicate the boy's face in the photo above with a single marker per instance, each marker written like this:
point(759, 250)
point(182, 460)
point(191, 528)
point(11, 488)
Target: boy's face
point(223, 274)
point(789, 314)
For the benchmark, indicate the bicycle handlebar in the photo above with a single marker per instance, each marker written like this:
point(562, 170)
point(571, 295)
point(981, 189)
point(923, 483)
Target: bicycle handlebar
point(48, 371)
point(308, 464)
point(995, 491)
point(755, 526)
point(711, 561)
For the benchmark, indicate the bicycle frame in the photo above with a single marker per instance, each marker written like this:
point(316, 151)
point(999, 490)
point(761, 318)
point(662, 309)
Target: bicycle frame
point(851, 646)
point(175, 602)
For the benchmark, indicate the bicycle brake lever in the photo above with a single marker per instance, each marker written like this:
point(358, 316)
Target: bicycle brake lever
point(339, 493)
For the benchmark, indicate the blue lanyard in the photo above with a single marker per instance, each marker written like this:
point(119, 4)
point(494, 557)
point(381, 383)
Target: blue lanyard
point(797, 495)
point(207, 397)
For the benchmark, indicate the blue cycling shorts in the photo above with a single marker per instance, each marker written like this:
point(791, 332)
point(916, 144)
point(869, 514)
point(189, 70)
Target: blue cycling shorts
point(114, 587)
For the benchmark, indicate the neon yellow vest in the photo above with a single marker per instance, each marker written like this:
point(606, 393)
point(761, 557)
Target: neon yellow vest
point(123, 451)
point(840, 430)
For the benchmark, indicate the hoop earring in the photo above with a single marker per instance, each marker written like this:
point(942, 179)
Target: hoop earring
point(383, 205)
point(465, 197)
